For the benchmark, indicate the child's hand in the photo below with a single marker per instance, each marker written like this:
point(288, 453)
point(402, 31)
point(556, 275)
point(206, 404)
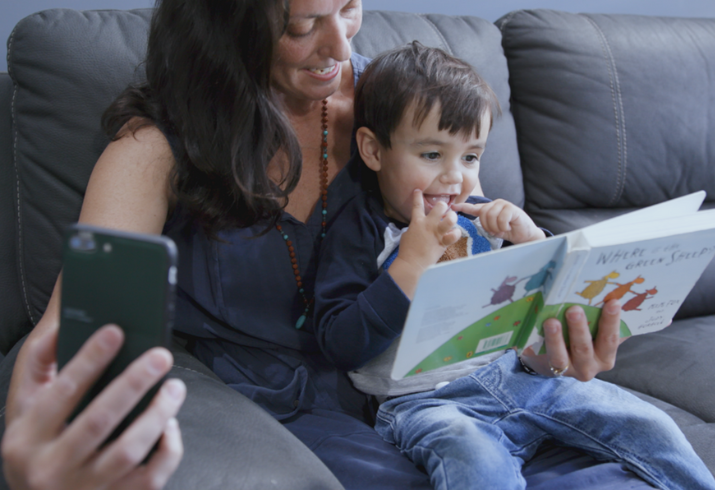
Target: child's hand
point(423, 243)
point(504, 220)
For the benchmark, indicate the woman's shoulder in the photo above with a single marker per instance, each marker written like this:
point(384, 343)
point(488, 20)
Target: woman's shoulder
point(130, 187)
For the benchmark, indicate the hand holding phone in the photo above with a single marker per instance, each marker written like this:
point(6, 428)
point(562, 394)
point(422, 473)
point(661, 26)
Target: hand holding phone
point(40, 450)
point(113, 277)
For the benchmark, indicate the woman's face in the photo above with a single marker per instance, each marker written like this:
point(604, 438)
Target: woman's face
point(315, 49)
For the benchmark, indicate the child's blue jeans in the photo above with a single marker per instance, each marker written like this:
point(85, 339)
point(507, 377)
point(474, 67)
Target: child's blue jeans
point(477, 431)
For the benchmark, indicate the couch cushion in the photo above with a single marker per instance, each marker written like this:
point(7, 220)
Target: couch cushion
point(500, 173)
point(13, 315)
point(613, 112)
point(672, 365)
point(67, 67)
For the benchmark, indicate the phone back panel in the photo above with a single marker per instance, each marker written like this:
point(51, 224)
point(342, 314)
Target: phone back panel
point(120, 278)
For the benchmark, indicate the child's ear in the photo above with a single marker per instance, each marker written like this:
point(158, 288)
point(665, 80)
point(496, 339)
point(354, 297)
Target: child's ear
point(369, 148)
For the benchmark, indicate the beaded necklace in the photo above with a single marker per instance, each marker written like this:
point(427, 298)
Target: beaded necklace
point(324, 203)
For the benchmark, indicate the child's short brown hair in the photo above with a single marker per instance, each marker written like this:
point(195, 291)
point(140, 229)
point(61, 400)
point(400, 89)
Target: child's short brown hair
point(417, 74)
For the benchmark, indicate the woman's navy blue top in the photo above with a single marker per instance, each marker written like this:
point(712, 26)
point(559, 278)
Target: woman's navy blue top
point(237, 296)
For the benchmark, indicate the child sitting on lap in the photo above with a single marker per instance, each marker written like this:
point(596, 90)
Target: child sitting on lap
point(423, 119)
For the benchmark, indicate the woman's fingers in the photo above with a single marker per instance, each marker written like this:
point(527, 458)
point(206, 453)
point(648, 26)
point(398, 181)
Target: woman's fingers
point(41, 369)
point(557, 354)
point(55, 404)
point(162, 464)
point(132, 446)
point(91, 427)
point(584, 365)
point(609, 333)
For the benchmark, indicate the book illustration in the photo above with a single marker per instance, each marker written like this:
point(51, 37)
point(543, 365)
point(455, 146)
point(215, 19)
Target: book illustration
point(504, 292)
point(596, 287)
point(507, 288)
point(538, 280)
point(633, 303)
point(503, 327)
point(497, 331)
point(621, 290)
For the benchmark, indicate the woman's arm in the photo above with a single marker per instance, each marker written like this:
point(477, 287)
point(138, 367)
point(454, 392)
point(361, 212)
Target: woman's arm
point(129, 190)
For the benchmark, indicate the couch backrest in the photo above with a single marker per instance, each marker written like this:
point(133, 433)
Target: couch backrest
point(68, 65)
point(613, 112)
point(13, 316)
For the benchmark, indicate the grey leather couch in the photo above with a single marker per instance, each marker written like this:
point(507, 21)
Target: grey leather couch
point(602, 115)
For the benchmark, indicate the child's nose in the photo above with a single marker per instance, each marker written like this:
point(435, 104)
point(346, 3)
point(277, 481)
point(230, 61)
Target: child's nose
point(451, 176)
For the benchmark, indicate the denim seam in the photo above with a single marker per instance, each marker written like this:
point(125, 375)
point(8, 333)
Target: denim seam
point(445, 474)
point(623, 454)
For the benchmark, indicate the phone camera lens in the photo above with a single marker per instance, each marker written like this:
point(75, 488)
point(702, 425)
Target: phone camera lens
point(83, 243)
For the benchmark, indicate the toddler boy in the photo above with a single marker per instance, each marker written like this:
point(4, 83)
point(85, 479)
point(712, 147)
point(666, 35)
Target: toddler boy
point(423, 118)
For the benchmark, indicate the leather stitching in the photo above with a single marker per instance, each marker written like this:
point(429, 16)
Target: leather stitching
point(447, 47)
point(20, 250)
point(618, 114)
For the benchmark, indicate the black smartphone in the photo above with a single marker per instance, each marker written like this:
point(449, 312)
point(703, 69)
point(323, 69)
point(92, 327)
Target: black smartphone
point(128, 279)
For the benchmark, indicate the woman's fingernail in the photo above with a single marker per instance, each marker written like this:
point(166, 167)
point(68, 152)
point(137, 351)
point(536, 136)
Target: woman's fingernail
point(157, 362)
point(612, 307)
point(110, 337)
point(574, 314)
point(175, 389)
point(551, 328)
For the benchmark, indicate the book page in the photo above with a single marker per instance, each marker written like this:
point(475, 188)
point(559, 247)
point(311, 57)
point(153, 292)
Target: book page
point(474, 306)
point(680, 206)
point(650, 277)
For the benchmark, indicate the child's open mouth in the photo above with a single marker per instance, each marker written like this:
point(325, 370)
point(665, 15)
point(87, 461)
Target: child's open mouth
point(432, 199)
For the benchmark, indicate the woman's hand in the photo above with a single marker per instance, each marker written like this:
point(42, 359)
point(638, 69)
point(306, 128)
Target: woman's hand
point(585, 357)
point(41, 451)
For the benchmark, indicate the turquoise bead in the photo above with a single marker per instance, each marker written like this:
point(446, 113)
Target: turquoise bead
point(325, 133)
point(300, 322)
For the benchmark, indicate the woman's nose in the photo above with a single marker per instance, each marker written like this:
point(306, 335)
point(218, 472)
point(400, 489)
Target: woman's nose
point(334, 42)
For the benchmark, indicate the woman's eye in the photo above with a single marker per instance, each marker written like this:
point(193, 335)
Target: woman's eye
point(298, 30)
point(432, 155)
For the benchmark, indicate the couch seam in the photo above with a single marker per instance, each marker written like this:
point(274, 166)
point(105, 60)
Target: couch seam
point(20, 249)
point(506, 20)
point(618, 112)
point(197, 372)
point(448, 48)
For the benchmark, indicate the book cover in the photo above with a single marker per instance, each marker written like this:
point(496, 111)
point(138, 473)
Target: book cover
point(648, 259)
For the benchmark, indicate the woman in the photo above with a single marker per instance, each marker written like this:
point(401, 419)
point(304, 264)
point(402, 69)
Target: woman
point(209, 152)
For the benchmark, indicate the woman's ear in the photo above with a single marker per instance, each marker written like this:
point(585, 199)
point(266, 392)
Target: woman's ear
point(369, 148)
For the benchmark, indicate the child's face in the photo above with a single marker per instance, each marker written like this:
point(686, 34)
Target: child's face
point(443, 166)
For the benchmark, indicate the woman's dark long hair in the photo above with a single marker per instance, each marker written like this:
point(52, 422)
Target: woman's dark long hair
point(208, 71)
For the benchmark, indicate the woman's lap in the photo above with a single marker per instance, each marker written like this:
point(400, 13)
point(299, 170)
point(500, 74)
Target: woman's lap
point(355, 453)
point(361, 459)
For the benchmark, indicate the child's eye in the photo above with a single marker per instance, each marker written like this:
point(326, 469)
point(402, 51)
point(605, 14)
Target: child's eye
point(471, 159)
point(432, 155)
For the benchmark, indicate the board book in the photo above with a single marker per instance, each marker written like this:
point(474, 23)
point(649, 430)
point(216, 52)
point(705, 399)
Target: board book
point(648, 259)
